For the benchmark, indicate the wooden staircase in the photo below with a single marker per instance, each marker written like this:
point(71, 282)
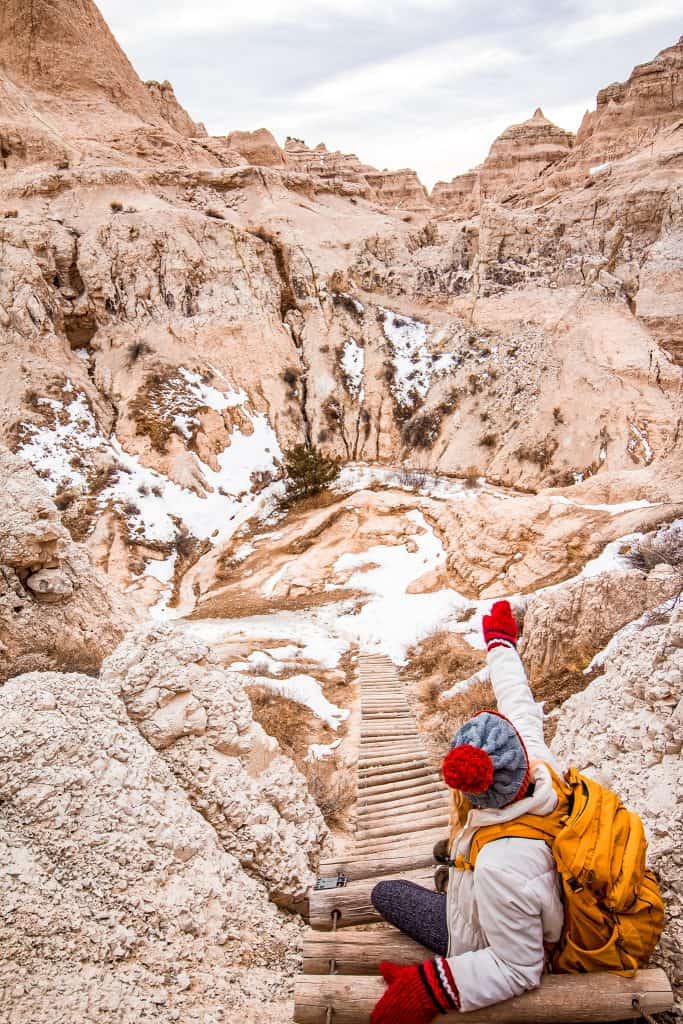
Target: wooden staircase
point(402, 811)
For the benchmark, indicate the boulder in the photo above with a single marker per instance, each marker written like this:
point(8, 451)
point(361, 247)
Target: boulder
point(56, 609)
point(566, 626)
point(50, 585)
point(198, 716)
point(118, 900)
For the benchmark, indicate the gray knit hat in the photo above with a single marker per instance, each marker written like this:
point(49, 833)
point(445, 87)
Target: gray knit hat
point(487, 761)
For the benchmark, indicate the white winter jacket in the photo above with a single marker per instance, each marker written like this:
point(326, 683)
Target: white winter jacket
point(500, 914)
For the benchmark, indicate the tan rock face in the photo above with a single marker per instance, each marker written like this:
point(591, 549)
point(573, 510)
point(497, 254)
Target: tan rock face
point(349, 177)
point(626, 730)
point(142, 912)
point(629, 114)
point(165, 99)
point(565, 628)
point(258, 147)
point(68, 93)
point(520, 154)
point(56, 610)
point(199, 717)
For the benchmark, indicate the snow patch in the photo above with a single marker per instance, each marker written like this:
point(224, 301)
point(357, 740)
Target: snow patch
point(353, 366)
point(414, 365)
point(306, 690)
point(61, 452)
point(320, 751)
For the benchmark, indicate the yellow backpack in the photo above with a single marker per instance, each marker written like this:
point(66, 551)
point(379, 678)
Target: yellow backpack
point(613, 910)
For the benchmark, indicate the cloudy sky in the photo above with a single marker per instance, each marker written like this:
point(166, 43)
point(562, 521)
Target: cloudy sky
point(419, 83)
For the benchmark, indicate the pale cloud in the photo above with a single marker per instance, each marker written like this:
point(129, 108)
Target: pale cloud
point(402, 83)
point(425, 68)
point(614, 24)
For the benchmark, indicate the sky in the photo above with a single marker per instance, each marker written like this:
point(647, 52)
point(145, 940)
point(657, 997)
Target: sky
point(426, 84)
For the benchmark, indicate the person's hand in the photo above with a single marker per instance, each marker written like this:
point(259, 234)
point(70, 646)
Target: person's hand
point(415, 995)
point(500, 628)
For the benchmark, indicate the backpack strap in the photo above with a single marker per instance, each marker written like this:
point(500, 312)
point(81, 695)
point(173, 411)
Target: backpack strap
point(545, 827)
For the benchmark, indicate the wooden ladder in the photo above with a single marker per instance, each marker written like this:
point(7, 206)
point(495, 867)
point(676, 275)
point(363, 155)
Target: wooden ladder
point(402, 805)
point(402, 811)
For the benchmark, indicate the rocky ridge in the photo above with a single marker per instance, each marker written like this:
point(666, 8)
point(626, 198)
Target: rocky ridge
point(521, 153)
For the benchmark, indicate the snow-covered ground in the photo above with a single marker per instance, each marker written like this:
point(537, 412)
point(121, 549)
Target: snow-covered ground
point(65, 450)
point(389, 621)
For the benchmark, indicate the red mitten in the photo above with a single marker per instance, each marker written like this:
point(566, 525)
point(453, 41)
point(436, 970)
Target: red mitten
point(415, 994)
point(500, 628)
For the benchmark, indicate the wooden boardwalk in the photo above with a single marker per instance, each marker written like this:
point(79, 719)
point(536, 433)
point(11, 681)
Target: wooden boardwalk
point(402, 804)
point(402, 811)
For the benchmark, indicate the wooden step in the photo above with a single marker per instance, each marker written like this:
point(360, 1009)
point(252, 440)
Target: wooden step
point(413, 809)
point(422, 842)
point(393, 826)
point(366, 760)
point(560, 999)
point(353, 900)
point(392, 778)
point(357, 952)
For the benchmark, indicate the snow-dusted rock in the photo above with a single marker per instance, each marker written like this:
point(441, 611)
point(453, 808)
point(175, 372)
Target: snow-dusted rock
point(199, 717)
point(56, 610)
point(118, 900)
point(626, 730)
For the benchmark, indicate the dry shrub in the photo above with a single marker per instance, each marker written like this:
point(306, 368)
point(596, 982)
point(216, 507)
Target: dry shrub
point(477, 697)
point(116, 206)
point(435, 664)
point(422, 430)
point(470, 475)
point(540, 453)
point(332, 785)
point(413, 477)
point(136, 350)
point(488, 440)
point(290, 723)
point(664, 546)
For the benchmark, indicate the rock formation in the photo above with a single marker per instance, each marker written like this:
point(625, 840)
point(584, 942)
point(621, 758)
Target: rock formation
point(348, 176)
point(56, 610)
point(630, 114)
point(626, 730)
point(165, 99)
point(118, 899)
point(258, 147)
point(520, 154)
point(566, 627)
point(199, 718)
point(68, 92)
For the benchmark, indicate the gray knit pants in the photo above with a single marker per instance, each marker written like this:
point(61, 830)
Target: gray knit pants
point(415, 911)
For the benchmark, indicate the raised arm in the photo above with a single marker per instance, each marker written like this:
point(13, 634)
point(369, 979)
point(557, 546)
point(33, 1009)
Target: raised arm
point(510, 684)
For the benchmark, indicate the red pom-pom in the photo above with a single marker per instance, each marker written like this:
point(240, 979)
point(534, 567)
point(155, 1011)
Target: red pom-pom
point(467, 768)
